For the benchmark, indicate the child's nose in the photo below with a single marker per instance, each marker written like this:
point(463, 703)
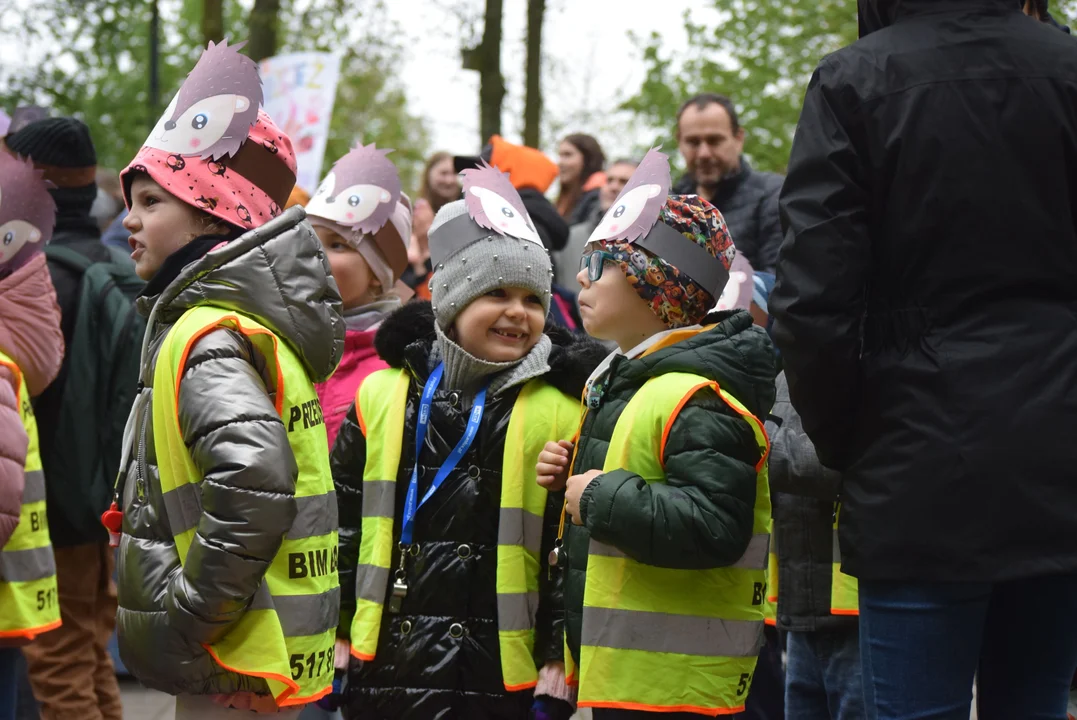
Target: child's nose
point(583, 279)
point(129, 222)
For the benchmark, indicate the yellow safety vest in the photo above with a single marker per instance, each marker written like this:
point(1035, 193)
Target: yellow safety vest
point(29, 603)
point(844, 591)
point(770, 607)
point(287, 636)
point(663, 639)
point(541, 413)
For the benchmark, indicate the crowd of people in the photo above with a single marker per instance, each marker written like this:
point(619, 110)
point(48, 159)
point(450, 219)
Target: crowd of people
point(731, 444)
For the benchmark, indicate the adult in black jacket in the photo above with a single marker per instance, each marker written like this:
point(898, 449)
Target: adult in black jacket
point(711, 139)
point(925, 308)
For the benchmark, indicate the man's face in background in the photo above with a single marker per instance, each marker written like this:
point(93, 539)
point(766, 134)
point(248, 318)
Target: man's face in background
point(617, 176)
point(710, 147)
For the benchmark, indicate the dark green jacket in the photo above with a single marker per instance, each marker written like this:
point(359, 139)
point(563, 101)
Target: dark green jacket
point(702, 516)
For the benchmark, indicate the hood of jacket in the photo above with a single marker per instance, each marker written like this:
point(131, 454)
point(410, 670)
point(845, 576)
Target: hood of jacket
point(551, 227)
point(406, 339)
point(735, 353)
point(30, 324)
point(276, 274)
point(875, 15)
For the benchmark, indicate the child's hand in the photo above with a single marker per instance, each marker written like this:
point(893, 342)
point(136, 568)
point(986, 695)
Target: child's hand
point(343, 654)
point(574, 491)
point(552, 465)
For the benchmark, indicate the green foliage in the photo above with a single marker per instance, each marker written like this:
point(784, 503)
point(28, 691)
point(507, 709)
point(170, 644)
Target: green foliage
point(95, 65)
point(761, 53)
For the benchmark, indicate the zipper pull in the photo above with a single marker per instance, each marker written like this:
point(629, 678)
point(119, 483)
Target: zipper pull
point(112, 519)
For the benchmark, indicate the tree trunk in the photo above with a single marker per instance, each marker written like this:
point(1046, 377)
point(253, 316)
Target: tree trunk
point(491, 84)
point(262, 24)
point(533, 101)
point(212, 21)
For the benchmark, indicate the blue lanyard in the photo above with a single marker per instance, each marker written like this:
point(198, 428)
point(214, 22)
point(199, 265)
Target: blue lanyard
point(410, 504)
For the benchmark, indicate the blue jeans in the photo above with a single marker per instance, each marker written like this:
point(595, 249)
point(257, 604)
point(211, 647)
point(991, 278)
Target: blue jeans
point(921, 644)
point(9, 681)
point(822, 675)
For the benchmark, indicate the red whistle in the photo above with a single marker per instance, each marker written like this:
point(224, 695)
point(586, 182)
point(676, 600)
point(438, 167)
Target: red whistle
point(112, 519)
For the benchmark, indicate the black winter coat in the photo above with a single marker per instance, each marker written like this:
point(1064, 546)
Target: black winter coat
point(701, 517)
point(748, 200)
point(803, 493)
point(426, 673)
point(85, 240)
point(926, 299)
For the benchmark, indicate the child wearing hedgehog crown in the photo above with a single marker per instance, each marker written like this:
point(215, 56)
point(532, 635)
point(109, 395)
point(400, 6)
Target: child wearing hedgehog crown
point(227, 561)
point(453, 610)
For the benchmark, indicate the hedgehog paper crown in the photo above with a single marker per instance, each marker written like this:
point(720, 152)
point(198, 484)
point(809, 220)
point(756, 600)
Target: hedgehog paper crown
point(215, 108)
point(27, 210)
point(633, 218)
point(360, 192)
point(493, 205)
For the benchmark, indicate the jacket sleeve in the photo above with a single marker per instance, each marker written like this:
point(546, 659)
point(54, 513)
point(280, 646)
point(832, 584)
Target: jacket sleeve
point(819, 298)
point(348, 462)
point(239, 445)
point(13, 445)
point(701, 517)
point(550, 621)
point(770, 226)
point(794, 466)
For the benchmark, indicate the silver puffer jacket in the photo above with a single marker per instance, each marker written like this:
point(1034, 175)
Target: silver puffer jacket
point(278, 275)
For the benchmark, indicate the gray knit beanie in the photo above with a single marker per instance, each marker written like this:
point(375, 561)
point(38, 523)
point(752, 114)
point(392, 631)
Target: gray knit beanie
point(495, 262)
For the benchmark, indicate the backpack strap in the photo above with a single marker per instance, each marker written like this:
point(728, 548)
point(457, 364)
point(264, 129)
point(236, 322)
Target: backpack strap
point(72, 259)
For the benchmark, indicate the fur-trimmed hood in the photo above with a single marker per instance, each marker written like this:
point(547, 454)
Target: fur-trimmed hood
point(406, 339)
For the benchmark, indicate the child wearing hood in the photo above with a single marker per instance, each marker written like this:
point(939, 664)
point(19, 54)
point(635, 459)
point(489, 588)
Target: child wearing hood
point(364, 223)
point(31, 351)
point(448, 604)
point(667, 508)
point(227, 562)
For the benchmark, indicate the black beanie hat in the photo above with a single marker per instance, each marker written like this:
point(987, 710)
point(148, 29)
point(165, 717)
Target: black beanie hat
point(63, 149)
point(61, 142)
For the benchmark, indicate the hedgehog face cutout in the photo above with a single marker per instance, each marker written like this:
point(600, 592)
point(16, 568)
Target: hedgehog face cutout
point(215, 108)
point(27, 210)
point(493, 203)
point(360, 192)
point(636, 209)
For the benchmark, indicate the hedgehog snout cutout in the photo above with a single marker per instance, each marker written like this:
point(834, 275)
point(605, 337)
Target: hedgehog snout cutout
point(636, 209)
point(494, 204)
point(212, 114)
point(360, 192)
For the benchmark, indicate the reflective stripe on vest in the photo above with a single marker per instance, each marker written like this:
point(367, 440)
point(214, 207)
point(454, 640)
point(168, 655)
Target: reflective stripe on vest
point(770, 607)
point(661, 639)
point(844, 591)
point(541, 413)
point(287, 635)
point(29, 604)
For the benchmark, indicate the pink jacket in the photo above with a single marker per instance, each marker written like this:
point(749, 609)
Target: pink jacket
point(338, 392)
point(30, 335)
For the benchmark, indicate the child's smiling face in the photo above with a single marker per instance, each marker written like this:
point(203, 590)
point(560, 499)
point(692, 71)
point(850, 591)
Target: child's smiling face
point(501, 326)
point(160, 224)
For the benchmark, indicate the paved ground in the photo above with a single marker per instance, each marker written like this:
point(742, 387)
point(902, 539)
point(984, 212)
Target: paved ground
point(140, 703)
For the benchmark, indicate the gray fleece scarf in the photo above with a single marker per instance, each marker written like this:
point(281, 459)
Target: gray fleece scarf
point(465, 373)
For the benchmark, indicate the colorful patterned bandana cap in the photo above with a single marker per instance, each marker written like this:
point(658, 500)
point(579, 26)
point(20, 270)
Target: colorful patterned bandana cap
point(214, 147)
point(673, 296)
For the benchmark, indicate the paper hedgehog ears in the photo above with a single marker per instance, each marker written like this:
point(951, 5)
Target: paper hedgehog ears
point(27, 211)
point(493, 207)
point(633, 218)
point(360, 192)
point(215, 108)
